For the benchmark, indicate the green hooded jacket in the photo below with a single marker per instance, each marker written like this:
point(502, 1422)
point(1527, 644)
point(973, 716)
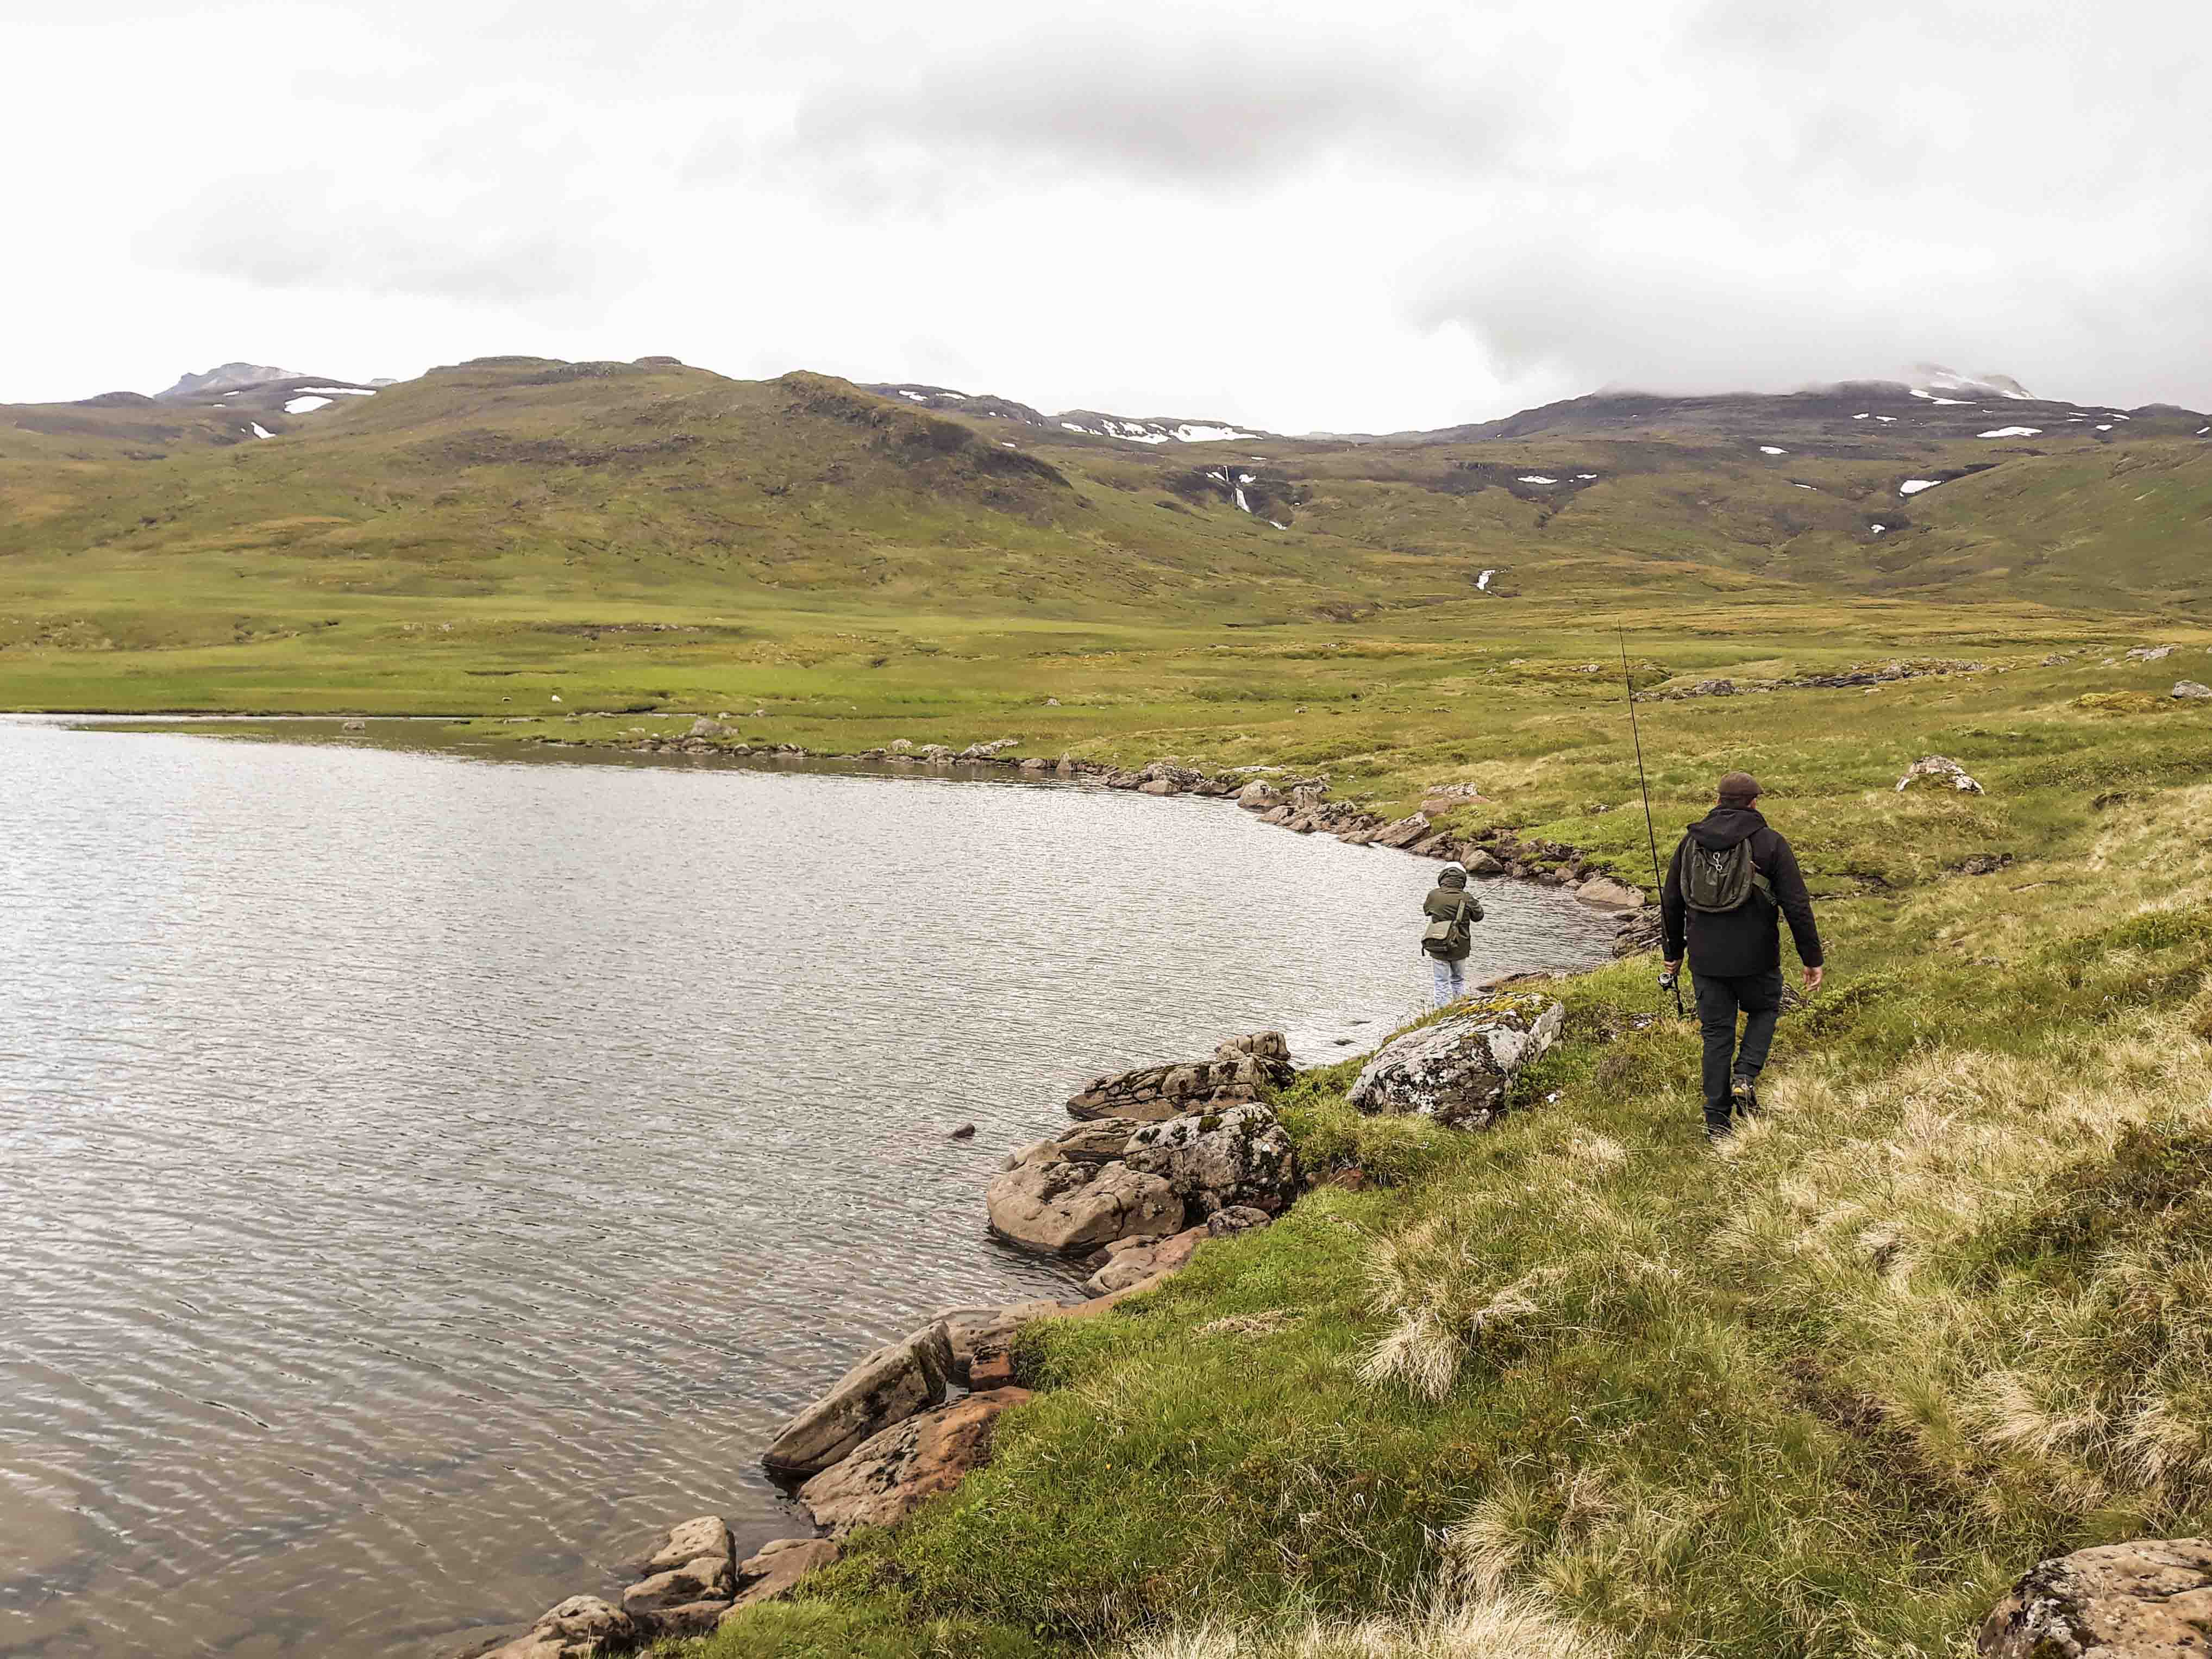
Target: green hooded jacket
point(1448, 899)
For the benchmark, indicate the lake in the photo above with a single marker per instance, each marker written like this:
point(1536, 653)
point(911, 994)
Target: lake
point(425, 1174)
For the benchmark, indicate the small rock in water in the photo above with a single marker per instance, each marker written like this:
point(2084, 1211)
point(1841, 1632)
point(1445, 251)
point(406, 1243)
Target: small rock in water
point(1345, 1042)
point(966, 1132)
point(362, 726)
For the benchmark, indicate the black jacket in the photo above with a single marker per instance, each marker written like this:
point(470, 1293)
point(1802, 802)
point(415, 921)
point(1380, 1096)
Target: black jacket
point(1745, 941)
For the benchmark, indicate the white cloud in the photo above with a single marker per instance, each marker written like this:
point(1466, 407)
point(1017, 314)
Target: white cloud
point(1287, 216)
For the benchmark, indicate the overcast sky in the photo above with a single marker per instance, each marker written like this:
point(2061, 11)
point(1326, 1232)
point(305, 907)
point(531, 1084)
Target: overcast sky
point(1368, 216)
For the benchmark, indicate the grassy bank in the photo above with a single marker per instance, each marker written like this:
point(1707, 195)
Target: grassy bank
point(1581, 1381)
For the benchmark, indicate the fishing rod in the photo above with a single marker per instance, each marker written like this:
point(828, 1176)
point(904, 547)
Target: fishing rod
point(1669, 982)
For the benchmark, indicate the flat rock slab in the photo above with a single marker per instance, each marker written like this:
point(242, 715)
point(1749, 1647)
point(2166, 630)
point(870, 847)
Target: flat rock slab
point(2151, 1599)
point(1062, 1207)
point(1141, 1261)
point(1459, 1071)
point(687, 1540)
point(894, 1472)
point(709, 1579)
point(890, 1385)
point(773, 1572)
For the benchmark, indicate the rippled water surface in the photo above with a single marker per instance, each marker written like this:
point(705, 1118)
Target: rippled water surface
point(423, 1175)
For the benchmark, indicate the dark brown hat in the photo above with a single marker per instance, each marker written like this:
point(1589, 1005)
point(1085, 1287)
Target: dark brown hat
point(1739, 787)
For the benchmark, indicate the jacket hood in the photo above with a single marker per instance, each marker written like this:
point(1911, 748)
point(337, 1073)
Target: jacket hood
point(1454, 876)
point(1724, 826)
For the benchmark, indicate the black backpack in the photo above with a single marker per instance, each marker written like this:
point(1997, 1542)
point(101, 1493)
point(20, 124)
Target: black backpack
point(1719, 879)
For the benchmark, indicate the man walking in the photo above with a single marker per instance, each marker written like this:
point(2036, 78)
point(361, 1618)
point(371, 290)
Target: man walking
point(1731, 878)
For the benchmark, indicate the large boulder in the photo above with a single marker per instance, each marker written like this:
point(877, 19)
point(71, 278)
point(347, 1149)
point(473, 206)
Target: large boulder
point(1258, 797)
point(1244, 1068)
point(889, 1474)
point(1219, 1160)
point(892, 1383)
point(774, 1571)
point(579, 1627)
point(2190, 690)
point(1460, 1070)
point(1608, 894)
point(2151, 1599)
point(1062, 1207)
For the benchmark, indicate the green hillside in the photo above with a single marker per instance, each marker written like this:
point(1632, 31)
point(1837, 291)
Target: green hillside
point(160, 555)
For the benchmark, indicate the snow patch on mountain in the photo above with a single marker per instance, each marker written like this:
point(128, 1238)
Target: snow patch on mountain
point(305, 405)
point(1914, 486)
point(2013, 432)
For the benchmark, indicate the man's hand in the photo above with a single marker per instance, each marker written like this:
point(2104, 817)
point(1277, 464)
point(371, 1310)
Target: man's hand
point(1812, 978)
point(1668, 970)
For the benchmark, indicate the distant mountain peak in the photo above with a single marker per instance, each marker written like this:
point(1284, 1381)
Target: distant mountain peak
point(1934, 381)
point(225, 377)
point(1089, 422)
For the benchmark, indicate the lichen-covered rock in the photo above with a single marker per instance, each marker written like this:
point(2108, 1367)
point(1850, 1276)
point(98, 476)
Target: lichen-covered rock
point(2151, 1599)
point(1257, 797)
point(893, 1383)
point(889, 1474)
point(1240, 1157)
point(1942, 771)
point(1062, 1207)
point(1459, 1071)
point(2190, 690)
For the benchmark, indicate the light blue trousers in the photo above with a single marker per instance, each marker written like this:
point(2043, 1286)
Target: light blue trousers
point(1451, 979)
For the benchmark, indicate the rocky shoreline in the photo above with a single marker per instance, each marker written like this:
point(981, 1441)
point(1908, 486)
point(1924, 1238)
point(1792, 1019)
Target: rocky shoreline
point(1156, 1163)
point(1298, 804)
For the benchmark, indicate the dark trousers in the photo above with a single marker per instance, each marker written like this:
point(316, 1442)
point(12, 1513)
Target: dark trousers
point(1758, 997)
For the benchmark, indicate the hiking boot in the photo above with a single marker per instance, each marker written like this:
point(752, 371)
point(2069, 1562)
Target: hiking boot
point(1716, 1134)
point(1744, 1097)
